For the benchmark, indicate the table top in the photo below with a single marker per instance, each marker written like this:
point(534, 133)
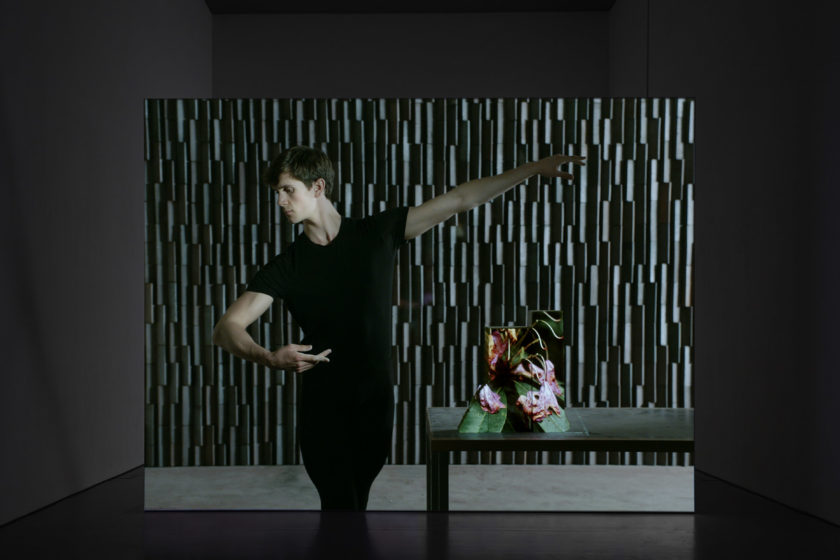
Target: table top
point(591, 429)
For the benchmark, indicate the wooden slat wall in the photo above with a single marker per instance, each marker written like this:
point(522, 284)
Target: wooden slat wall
point(614, 251)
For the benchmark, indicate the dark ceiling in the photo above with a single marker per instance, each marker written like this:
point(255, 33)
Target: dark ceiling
point(389, 6)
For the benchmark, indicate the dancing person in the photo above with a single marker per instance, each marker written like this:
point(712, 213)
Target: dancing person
point(336, 280)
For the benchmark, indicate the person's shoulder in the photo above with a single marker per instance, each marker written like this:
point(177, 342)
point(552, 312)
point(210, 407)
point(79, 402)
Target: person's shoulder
point(286, 256)
point(274, 277)
point(388, 223)
point(387, 214)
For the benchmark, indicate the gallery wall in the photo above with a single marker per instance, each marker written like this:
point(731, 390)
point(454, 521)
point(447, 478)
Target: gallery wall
point(71, 405)
point(74, 78)
point(552, 54)
point(765, 83)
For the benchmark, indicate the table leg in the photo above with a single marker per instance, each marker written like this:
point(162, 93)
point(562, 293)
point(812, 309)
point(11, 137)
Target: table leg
point(437, 481)
point(443, 480)
point(430, 475)
point(431, 480)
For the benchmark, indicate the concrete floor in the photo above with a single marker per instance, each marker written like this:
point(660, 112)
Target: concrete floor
point(403, 488)
point(107, 521)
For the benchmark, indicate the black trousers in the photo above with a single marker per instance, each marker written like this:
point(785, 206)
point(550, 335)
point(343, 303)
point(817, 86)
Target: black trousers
point(345, 433)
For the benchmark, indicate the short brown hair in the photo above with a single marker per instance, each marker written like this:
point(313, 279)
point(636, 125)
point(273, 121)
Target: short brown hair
point(304, 164)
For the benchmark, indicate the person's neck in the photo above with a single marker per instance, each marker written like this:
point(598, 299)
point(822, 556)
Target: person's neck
point(323, 226)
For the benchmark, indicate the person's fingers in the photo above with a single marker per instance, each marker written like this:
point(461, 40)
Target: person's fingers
point(304, 365)
point(312, 358)
point(575, 160)
point(566, 175)
point(308, 361)
point(301, 347)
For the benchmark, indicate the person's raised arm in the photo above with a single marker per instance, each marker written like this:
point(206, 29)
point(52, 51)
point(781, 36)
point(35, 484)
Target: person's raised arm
point(231, 334)
point(467, 196)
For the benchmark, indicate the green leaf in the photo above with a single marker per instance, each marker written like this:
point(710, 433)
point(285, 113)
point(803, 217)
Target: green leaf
point(522, 387)
point(553, 423)
point(495, 422)
point(508, 427)
point(473, 418)
point(478, 421)
point(516, 355)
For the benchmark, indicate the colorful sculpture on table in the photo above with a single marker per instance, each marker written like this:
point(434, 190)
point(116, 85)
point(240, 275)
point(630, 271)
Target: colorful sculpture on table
point(522, 393)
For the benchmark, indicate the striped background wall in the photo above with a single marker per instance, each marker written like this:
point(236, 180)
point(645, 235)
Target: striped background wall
point(613, 250)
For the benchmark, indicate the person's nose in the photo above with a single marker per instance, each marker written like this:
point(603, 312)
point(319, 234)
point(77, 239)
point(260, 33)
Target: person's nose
point(281, 199)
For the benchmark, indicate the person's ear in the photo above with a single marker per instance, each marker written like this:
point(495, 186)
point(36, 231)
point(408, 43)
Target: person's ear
point(319, 185)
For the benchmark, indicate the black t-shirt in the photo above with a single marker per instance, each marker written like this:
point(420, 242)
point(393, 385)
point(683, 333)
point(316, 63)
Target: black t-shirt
point(341, 293)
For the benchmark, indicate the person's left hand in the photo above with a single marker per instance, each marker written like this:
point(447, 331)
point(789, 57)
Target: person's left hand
point(552, 165)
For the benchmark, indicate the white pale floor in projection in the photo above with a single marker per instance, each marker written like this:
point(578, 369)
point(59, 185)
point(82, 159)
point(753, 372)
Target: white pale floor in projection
point(403, 488)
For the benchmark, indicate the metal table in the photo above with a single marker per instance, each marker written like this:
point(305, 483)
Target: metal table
point(592, 429)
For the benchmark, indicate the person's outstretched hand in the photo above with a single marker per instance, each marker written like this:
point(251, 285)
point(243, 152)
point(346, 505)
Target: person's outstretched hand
point(552, 165)
point(292, 357)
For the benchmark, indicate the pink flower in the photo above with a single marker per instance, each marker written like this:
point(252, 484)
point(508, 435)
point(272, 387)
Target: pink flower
point(531, 405)
point(498, 346)
point(525, 370)
point(539, 404)
point(549, 400)
point(551, 380)
point(533, 372)
point(490, 401)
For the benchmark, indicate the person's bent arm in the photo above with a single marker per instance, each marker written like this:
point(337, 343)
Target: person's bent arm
point(231, 334)
point(467, 196)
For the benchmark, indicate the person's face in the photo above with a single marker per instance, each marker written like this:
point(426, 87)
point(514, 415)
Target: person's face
point(295, 200)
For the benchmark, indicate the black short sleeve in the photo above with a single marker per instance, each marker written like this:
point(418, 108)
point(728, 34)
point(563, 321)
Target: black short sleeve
point(390, 224)
point(271, 279)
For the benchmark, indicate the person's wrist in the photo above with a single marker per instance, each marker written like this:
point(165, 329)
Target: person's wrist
point(531, 169)
point(265, 358)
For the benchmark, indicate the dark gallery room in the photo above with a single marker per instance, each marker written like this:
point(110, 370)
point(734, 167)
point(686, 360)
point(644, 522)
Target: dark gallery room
point(511, 362)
